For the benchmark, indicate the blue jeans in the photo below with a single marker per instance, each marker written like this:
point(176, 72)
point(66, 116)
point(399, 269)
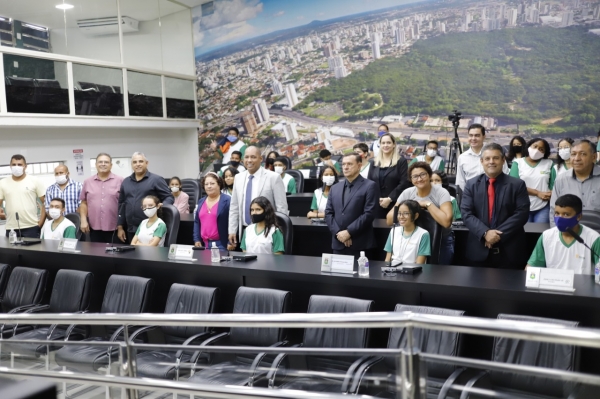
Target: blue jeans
point(540, 216)
point(447, 249)
point(217, 243)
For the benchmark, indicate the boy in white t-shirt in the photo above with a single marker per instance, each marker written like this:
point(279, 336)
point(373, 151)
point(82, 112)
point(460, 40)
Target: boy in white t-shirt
point(557, 248)
point(58, 226)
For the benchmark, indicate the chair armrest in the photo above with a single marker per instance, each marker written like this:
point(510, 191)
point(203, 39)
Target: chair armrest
point(366, 362)
point(37, 308)
point(456, 374)
point(208, 342)
point(117, 333)
point(139, 331)
point(465, 394)
point(192, 339)
point(22, 308)
point(275, 366)
point(259, 358)
point(69, 329)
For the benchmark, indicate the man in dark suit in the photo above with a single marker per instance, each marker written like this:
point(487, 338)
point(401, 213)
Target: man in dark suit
point(495, 207)
point(351, 208)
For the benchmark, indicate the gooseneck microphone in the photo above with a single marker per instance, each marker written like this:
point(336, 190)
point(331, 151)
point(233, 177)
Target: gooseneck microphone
point(578, 238)
point(391, 267)
point(112, 239)
point(20, 240)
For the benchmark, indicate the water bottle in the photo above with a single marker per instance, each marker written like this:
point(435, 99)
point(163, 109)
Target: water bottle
point(363, 265)
point(318, 171)
point(12, 237)
point(215, 255)
point(597, 274)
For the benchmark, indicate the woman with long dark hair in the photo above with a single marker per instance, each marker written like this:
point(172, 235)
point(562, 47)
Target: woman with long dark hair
point(263, 235)
point(563, 161)
point(515, 149)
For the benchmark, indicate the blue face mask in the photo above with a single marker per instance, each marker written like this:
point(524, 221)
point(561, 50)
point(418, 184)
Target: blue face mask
point(381, 133)
point(232, 138)
point(564, 224)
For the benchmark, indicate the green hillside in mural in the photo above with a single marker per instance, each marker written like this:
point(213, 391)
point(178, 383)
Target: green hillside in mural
point(524, 75)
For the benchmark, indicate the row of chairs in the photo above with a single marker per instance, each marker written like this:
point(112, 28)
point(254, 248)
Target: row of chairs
point(346, 374)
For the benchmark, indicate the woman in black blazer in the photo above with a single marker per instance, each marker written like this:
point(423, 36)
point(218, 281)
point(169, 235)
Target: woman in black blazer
point(389, 171)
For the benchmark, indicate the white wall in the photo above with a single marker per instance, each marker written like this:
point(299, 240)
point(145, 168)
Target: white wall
point(171, 152)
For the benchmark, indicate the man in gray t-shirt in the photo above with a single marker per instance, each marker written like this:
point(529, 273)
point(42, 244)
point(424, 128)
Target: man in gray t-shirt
point(438, 195)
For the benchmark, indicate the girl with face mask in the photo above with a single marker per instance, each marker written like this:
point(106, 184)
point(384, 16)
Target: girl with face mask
point(152, 231)
point(181, 199)
point(515, 149)
point(536, 170)
point(563, 161)
point(327, 178)
point(263, 235)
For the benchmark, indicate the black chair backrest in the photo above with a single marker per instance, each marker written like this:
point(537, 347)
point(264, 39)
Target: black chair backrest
point(538, 354)
point(170, 215)
point(288, 162)
point(458, 195)
point(427, 341)
point(126, 294)
point(259, 300)
point(591, 219)
point(26, 286)
point(287, 229)
point(5, 270)
point(188, 299)
point(76, 220)
point(299, 177)
point(451, 189)
point(427, 222)
point(192, 188)
point(71, 291)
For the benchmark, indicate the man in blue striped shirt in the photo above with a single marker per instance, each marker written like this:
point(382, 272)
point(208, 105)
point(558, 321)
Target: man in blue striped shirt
point(64, 188)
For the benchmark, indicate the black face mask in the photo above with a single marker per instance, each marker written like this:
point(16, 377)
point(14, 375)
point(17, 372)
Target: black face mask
point(257, 218)
point(517, 149)
point(229, 186)
point(235, 164)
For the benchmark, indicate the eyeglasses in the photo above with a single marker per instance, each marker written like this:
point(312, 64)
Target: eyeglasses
point(404, 214)
point(420, 176)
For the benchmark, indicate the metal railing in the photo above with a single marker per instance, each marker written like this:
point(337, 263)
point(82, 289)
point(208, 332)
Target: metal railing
point(409, 383)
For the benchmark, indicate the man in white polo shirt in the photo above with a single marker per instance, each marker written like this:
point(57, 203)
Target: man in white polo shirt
point(469, 165)
point(558, 249)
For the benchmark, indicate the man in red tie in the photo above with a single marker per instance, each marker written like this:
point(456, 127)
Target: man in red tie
point(495, 207)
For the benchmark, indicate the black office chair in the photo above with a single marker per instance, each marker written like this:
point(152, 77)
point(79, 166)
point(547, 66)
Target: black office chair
point(182, 299)
point(452, 189)
point(427, 341)
point(326, 374)
point(247, 369)
point(526, 353)
point(299, 177)
point(287, 229)
point(76, 220)
point(5, 270)
point(427, 222)
point(192, 188)
point(458, 195)
point(124, 294)
point(591, 219)
point(288, 162)
point(170, 215)
point(70, 294)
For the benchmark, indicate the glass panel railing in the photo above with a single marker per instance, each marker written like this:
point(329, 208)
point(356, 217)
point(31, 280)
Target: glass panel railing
point(145, 94)
point(143, 49)
point(98, 91)
point(180, 98)
point(36, 86)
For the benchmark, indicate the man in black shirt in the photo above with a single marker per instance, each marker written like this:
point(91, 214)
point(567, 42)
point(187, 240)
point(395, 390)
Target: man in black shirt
point(133, 190)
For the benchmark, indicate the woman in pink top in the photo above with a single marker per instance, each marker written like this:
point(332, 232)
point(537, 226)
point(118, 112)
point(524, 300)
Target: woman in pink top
point(181, 199)
point(212, 219)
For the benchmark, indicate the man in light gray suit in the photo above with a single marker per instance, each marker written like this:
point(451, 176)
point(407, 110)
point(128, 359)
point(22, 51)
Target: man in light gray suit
point(256, 181)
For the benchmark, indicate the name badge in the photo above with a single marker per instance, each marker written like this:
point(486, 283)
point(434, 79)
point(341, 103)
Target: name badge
point(550, 279)
point(67, 245)
point(331, 263)
point(181, 252)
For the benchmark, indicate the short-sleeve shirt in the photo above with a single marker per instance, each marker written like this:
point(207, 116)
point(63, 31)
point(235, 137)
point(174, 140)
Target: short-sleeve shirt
point(408, 247)
point(22, 197)
point(71, 195)
point(456, 215)
point(559, 171)
point(319, 201)
point(102, 198)
point(540, 177)
point(65, 229)
point(255, 242)
point(146, 233)
point(437, 163)
point(551, 251)
point(438, 196)
point(289, 183)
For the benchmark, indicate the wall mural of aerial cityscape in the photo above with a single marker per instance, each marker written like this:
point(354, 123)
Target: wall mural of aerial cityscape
point(300, 76)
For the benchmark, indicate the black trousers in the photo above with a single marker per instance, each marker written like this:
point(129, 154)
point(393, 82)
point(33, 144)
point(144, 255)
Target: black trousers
point(498, 259)
point(369, 253)
point(31, 232)
point(103, 236)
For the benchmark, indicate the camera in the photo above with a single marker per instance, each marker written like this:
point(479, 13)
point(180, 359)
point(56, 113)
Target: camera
point(455, 117)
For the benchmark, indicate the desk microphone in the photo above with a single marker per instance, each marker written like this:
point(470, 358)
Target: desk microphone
point(20, 240)
point(112, 240)
point(578, 238)
point(391, 266)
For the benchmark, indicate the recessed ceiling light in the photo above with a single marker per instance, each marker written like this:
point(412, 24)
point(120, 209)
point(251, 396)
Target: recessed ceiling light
point(64, 6)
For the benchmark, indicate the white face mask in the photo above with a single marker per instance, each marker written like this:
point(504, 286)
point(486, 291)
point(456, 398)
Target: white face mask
point(61, 179)
point(175, 189)
point(565, 153)
point(535, 154)
point(431, 153)
point(17, 171)
point(54, 213)
point(328, 180)
point(150, 212)
point(279, 169)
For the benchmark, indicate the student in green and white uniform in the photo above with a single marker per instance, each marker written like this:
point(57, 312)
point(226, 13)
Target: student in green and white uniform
point(325, 156)
point(327, 178)
point(411, 244)
point(235, 162)
point(563, 161)
point(557, 249)
point(263, 235)
point(537, 172)
point(437, 177)
point(59, 227)
point(152, 231)
point(288, 181)
point(431, 156)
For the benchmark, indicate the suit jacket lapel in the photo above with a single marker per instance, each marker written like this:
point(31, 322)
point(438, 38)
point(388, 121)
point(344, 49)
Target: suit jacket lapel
point(262, 179)
point(354, 190)
point(500, 193)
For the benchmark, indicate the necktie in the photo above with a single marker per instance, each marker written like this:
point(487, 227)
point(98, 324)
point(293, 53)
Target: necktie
point(248, 201)
point(491, 195)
